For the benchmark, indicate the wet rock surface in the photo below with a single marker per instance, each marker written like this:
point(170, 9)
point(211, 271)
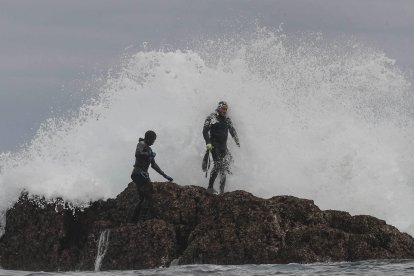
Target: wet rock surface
point(188, 226)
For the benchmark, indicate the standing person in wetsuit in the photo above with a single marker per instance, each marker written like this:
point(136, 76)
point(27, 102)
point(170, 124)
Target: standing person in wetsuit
point(215, 131)
point(144, 156)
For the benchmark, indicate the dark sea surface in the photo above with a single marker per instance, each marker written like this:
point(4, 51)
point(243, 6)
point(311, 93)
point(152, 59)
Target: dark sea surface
point(387, 267)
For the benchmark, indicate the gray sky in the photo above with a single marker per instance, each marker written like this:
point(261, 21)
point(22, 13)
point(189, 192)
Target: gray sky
point(51, 49)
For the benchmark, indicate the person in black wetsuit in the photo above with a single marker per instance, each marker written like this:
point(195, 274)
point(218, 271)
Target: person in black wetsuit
point(215, 131)
point(144, 157)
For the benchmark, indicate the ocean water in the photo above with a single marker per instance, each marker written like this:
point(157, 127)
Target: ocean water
point(372, 268)
point(326, 120)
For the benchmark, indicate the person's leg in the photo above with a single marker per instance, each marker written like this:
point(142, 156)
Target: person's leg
point(146, 203)
point(214, 171)
point(133, 213)
point(222, 182)
point(144, 190)
point(225, 159)
point(213, 176)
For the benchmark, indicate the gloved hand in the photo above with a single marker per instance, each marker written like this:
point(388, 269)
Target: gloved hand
point(209, 146)
point(169, 178)
point(238, 143)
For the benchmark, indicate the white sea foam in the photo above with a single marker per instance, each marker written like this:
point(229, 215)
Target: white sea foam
point(322, 120)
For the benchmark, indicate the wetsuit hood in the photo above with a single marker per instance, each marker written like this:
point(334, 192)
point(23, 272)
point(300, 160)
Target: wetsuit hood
point(222, 108)
point(150, 137)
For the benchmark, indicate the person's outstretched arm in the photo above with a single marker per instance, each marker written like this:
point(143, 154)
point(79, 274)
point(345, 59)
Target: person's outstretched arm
point(156, 168)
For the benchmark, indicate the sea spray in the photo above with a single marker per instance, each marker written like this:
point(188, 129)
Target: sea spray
point(103, 245)
point(325, 120)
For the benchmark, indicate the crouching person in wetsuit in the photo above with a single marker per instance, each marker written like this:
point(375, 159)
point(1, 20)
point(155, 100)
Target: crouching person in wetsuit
point(215, 131)
point(144, 156)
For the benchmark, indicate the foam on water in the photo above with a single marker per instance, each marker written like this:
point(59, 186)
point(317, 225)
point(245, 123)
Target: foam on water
point(322, 120)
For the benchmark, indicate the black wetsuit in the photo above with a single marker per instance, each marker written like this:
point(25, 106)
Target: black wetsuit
point(140, 176)
point(215, 132)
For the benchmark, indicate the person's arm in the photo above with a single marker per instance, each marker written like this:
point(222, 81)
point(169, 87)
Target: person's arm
point(233, 132)
point(206, 129)
point(140, 151)
point(155, 166)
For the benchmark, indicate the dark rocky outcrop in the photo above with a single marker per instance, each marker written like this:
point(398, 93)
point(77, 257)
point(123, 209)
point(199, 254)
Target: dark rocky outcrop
point(191, 226)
